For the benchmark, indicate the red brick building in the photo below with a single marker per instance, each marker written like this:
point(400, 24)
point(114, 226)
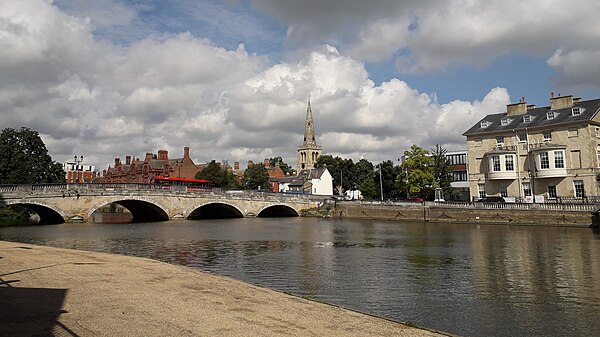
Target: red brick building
point(136, 170)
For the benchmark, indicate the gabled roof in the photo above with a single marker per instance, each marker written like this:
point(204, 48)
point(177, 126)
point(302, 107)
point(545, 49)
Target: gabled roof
point(312, 173)
point(538, 118)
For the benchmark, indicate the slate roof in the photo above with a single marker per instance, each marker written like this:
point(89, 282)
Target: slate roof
point(538, 118)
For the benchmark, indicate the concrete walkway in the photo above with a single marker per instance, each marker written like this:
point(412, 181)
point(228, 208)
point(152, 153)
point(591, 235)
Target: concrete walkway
point(48, 291)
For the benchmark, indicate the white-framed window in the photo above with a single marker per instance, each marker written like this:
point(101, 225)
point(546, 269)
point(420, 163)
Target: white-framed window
point(526, 189)
point(550, 115)
point(579, 190)
point(597, 132)
point(503, 190)
point(481, 190)
point(505, 121)
point(522, 137)
point(551, 191)
point(547, 136)
point(526, 119)
point(509, 162)
point(576, 111)
point(559, 159)
point(499, 140)
point(544, 162)
point(496, 163)
point(485, 124)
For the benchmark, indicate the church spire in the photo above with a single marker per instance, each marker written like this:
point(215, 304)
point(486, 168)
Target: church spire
point(309, 151)
point(309, 128)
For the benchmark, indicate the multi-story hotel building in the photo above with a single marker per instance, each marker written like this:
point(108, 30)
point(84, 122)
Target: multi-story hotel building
point(546, 152)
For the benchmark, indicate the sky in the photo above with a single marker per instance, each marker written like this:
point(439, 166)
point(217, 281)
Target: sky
point(231, 78)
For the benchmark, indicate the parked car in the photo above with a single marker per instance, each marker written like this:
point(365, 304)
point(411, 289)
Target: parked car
point(415, 199)
point(491, 199)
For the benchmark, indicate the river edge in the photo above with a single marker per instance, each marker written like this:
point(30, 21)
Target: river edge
point(47, 290)
point(424, 212)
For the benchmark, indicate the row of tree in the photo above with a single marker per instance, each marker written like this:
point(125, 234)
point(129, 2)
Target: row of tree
point(255, 176)
point(420, 173)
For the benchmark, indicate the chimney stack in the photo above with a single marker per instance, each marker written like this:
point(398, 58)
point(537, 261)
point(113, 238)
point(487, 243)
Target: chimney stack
point(517, 108)
point(561, 102)
point(127, 160)
point(250, 163)
point(186, 152)
point(117, 162)
point(163, 155)
point(267, 163)
point(236, 165)
point(148, 156)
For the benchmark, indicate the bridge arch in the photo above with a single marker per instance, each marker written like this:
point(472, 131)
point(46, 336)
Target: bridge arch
point(215, 210)
point(49, 215)
point(142, 210)
point(277, 210)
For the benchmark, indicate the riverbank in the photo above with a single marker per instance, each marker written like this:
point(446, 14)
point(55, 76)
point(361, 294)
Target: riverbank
point(53, 291)
point(478, 213)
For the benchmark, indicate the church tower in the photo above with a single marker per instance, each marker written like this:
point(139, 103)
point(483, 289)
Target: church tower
point(309, 151)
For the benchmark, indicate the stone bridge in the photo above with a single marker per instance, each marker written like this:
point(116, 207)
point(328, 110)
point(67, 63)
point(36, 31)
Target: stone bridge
point(58, 203)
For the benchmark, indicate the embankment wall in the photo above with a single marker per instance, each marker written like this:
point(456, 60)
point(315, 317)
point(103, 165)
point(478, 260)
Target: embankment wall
point(437, 213)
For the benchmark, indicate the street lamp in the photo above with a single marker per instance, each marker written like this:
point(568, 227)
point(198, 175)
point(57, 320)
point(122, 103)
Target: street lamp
point(77, 170)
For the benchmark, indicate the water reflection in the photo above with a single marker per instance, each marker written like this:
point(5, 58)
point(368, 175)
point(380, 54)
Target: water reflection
point(465, 279)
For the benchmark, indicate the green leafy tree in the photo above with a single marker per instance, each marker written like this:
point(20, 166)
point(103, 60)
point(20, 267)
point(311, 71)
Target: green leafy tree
point(217, 175)
point(368, 189)
point(255, 176)
point(441, 170)
point(287, 169)
point(416, 175)
point(24, 159)
point(363, 170)
point(389, 173)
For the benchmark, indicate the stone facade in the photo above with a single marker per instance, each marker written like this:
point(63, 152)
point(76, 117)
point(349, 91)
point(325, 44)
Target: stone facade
point(546, 152)
point(309, 151)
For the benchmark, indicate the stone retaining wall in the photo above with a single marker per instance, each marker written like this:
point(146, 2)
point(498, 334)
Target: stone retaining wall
point(427, 213)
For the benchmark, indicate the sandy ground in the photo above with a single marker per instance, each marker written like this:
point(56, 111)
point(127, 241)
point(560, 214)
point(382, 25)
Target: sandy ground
point(47, 291)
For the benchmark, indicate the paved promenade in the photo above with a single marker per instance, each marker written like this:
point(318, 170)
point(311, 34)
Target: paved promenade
point(48, 291)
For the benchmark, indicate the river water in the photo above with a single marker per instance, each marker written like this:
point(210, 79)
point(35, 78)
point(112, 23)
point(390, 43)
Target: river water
point(468, 280)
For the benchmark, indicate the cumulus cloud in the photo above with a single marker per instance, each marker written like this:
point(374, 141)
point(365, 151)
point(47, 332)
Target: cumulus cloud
point(90, 97)
point(429, 36)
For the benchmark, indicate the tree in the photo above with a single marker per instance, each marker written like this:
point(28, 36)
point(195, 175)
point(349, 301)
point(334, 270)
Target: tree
point(416, 175)
point(24, 159)
point(368, 189)
point(217, 175)
point(389, 172)
point(363, 170)
point(256, 176)
point(441, 169)
point(287, 169)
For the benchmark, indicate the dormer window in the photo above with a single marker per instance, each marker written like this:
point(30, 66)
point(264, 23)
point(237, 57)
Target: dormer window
point(505, 121)
point(576, 111)
point(526, 119)
point(485, 124)
point(550, 115)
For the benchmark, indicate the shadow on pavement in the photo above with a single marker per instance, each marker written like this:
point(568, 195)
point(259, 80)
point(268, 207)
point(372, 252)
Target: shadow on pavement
point(31, 311)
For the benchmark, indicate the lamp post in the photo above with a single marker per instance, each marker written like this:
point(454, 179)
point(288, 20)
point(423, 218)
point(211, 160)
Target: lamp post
point(77, 170)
